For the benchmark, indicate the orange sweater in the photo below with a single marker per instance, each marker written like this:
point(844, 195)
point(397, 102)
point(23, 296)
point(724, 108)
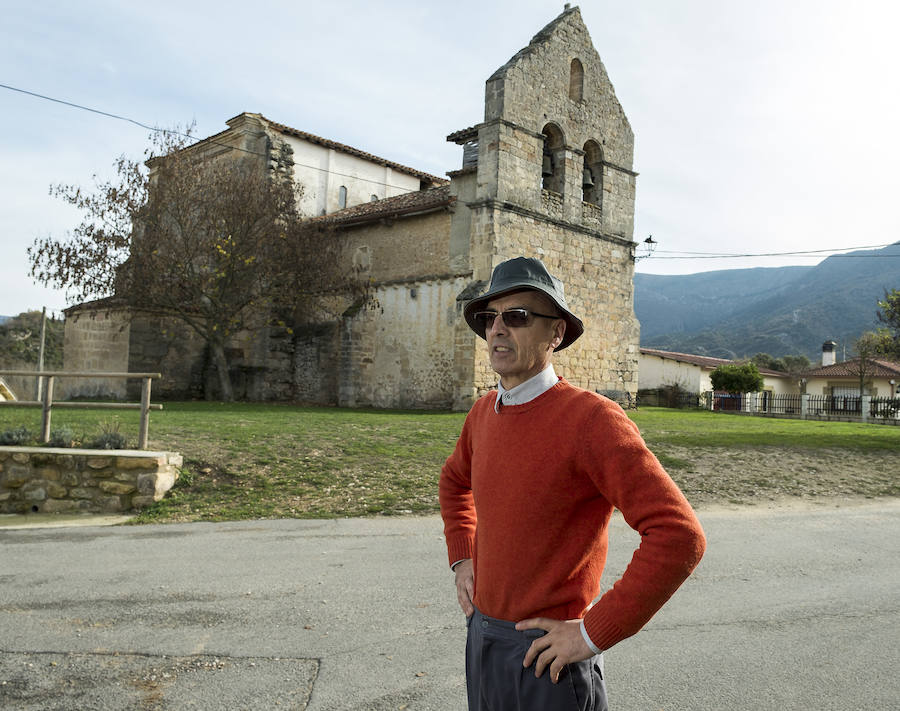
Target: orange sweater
point(528, 494)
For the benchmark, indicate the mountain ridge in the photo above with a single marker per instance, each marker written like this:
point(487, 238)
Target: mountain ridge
point(735, 313)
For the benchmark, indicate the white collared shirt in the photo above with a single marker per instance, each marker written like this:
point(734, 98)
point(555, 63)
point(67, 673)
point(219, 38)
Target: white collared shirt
point(535, 386)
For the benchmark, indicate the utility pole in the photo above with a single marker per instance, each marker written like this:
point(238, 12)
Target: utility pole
point(40, 381)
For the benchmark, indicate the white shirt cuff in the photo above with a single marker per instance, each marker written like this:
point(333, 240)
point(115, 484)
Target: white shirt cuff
point(587, 639)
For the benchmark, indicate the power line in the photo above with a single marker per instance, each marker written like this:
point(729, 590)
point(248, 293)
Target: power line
point(804, 253)
point(194, 138)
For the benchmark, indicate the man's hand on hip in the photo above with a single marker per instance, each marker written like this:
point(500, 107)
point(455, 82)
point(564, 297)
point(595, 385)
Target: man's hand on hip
point(561, 645)
point(465, 585)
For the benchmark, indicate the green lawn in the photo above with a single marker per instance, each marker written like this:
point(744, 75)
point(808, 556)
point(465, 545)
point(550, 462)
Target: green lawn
point(247, 460)
point(692, 428)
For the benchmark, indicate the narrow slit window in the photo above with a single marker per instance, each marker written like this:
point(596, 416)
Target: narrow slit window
point(576, 81)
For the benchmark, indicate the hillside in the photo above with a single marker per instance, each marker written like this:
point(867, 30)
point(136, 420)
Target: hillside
point(781, 311)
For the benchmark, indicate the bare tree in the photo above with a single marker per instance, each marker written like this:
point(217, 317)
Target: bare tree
point(213, 240)
point(867, 347)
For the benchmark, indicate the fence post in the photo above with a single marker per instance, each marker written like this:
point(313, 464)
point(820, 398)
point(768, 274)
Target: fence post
point(145, 414)
point(48, 404)
point(804, 406)
point(865, 403)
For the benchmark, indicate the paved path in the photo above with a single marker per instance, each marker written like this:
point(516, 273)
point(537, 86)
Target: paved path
point(789, 610)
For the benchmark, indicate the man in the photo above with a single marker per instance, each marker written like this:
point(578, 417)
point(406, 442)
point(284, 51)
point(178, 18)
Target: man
point(526, 499)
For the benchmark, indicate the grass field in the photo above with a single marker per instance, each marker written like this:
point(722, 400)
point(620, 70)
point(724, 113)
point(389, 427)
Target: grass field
point(248, 460)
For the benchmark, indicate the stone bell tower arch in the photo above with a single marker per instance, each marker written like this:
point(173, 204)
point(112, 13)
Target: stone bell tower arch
point(549, 174)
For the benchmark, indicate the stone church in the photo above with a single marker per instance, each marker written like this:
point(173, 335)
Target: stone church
point(547, 173)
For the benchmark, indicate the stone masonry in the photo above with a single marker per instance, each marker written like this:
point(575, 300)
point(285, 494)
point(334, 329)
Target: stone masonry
point(47, 480)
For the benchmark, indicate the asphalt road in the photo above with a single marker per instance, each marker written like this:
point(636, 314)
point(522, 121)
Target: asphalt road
point(788, 610)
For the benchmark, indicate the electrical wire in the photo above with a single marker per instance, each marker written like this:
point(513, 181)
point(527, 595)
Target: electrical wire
point(654, 254)
point(814, 253)
point(197, 140)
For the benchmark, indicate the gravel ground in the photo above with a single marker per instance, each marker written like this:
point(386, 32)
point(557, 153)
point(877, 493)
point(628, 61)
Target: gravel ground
point(761, 475)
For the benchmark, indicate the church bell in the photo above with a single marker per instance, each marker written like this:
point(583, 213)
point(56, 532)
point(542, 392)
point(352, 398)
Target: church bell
point(587, 179)
point(547, 167)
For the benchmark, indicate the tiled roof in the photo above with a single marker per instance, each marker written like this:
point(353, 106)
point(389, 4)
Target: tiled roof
point(397, 206)
point(464, 135)
point(287, 130)
point(879, 368)
point(704, 361)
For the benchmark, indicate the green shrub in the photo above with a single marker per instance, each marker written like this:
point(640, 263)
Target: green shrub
point(111, 438)
point(62, 437)
point(15, 437)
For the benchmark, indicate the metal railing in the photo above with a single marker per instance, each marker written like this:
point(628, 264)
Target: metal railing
point(885, 408)
point(850, 408)
point(47, 378)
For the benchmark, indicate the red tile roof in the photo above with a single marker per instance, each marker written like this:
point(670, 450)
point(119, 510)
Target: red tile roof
point(397, 206)
point(879, 368)
point(704, 361)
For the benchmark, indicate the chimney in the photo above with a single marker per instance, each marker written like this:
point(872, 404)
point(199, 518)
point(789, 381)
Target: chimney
point(828, 355)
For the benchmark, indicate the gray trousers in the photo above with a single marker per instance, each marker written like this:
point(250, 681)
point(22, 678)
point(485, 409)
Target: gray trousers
point(497, 681)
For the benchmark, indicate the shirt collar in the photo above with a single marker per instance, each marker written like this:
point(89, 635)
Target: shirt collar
point(527, 391)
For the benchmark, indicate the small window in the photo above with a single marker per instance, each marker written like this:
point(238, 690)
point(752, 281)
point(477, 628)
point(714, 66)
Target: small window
point(342, 197)
point(374, 198)
point(576, 81)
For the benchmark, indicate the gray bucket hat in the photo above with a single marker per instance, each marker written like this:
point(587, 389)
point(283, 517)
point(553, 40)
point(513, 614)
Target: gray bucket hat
point(526, 273)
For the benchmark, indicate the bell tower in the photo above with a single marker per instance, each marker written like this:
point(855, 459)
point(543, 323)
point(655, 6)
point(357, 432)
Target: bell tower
point(548, 173)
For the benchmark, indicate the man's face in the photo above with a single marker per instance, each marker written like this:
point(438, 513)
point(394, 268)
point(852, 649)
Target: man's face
point(518, 354)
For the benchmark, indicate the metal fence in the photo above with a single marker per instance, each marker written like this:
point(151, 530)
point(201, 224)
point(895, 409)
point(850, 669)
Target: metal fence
point(669, 397)
point(850, 408)
point(884, 408)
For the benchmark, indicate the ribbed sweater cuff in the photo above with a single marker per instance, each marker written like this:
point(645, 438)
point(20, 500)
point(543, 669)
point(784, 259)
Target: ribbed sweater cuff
point(603, 633)
point(460, 548)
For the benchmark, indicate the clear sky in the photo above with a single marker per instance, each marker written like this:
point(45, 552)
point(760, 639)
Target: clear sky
point(759, 127)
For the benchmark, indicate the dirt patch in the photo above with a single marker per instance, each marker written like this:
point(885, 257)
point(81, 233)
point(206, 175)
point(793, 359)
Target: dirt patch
point(765, 475)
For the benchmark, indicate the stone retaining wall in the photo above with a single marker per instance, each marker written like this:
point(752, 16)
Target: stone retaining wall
point(46, 480)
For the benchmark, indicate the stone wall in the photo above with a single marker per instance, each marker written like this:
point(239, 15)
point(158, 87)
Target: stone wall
point(39, 480)
point(401, 353)
point(120, 340)
point(95, 339)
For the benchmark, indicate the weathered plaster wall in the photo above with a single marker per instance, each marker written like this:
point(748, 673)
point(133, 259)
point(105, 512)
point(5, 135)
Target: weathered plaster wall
point(656, 372)
point(38, 480)
point(322, 170)
point(400, 354)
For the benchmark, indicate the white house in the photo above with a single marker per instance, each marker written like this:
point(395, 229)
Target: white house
point(842, 379)
point(661, 369)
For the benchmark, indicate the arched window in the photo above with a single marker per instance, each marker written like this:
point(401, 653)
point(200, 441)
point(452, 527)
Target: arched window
point(553, 164)
point(592, 174)
point(576, 81)
point(374, 198)
point(342, 197)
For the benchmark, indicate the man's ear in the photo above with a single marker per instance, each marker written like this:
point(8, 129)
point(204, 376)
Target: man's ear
point(559, 331)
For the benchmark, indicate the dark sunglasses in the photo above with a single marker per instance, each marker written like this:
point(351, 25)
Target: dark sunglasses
point(514, 318)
